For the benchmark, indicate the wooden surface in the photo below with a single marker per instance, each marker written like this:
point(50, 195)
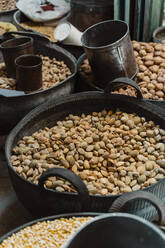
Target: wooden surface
point(12, 213)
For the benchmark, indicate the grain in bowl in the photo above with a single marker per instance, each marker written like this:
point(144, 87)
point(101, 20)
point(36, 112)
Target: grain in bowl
point(49, 233)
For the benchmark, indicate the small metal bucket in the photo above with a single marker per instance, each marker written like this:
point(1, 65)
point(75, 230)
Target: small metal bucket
point(28, 72)
point(109, 50)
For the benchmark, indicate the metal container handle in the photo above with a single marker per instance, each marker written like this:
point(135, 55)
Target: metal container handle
point(69, 176)
point(120, 203)
point(35, 35)
point(120, 82)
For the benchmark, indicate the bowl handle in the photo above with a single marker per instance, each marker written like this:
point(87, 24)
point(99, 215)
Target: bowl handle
point(35, 35)
point(123, 81)
point(70, 176)
point(120, 202)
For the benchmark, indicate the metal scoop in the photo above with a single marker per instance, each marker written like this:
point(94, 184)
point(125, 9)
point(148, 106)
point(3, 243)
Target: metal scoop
point(67, 34)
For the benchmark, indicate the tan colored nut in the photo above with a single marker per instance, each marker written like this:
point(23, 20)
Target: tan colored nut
point(140, 75)
point(160, 94)
point(163, 55)
point(157, 53)
point(154, 68)
point(142, 68)
point(149, 48)
point(149, 63)
point(143, 52)
point(159, 86)
point(150, 86)
point(149, 57)
point(153, 76)
point(136, 46)
point(161, 79)
point(158, 47)
point(136, 53)
point(158, 60)
point(139, 62)
point(148, 73)
point(146, 79)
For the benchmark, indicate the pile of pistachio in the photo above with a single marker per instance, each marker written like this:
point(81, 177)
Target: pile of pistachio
point(112, 153)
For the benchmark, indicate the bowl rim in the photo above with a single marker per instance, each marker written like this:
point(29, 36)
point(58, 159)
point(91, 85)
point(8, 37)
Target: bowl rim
point(48, 218)
point(8, 11)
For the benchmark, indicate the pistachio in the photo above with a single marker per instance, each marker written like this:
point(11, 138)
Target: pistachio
point(89, 140)
point(141, 179)
point(81, 151)
point(89, 148)
point(149, 165)
point(161, 163)
point(64, 163)
point(88, 155)
point(159, 177)
point(70, 159)
point(136, 187)
point(60, 189)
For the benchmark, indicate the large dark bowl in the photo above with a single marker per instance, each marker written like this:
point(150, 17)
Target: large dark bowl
point(14, 108)
point(41, 201)
point(119, 231)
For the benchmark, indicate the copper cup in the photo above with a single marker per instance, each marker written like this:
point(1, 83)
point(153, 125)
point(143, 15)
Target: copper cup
point(28, 72)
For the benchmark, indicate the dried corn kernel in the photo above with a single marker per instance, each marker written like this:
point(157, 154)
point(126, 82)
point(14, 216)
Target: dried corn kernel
point(45, 234)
